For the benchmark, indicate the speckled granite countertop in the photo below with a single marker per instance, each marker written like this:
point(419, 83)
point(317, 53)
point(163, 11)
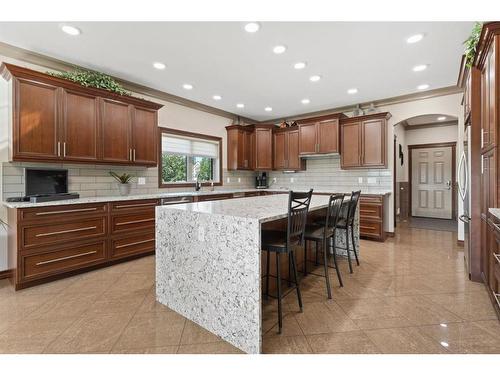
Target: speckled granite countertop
point(263, 209)
point(166, 195)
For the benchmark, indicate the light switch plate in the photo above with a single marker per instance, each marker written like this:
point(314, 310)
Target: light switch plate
point(291, 179)
point(228, 180)
point(141, 181)
point(239, 180)
point(360, 180)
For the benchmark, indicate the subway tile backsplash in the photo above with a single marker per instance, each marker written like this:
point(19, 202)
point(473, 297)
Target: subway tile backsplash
point(95, 181)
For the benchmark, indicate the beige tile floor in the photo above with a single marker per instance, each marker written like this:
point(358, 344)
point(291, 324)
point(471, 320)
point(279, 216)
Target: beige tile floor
point(409, 295)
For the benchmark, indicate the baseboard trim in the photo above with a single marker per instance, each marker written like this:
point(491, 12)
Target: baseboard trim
point(460, 243)
point(389, 234)
point(5, 274)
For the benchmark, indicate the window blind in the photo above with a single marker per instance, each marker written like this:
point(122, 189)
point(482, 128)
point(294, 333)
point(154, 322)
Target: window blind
point(189, 146)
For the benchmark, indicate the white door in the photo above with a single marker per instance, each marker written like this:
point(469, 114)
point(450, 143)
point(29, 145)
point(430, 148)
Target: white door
point(431, 193)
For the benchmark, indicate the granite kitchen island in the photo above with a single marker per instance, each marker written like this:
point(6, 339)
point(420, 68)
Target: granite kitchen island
point(208, 262)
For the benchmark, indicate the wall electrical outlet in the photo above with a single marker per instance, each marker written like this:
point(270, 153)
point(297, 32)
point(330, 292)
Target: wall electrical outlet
point(239, 180)
point(360, 180)
point(291, 180)
point(141, 181)
point(228, 180)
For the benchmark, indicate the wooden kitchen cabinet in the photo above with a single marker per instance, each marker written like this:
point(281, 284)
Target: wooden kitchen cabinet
point(58, 120)
point(286, 150)
point(250, 147)
point(319, 135)
point(363, 141)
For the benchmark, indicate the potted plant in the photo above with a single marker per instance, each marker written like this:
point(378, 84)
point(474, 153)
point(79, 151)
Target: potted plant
point(123, 182)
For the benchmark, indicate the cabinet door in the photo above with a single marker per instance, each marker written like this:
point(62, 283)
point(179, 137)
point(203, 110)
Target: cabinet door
point(279, 150)
point(116, 123)
point(232, 149)
point(488, 100)
point(36, 121)
point(351, 149)
point(293, 159)
point(79, 130)
point(144, 136)
point(373, 143)
point(328, 136)
point(263, 149)
point(307, 138)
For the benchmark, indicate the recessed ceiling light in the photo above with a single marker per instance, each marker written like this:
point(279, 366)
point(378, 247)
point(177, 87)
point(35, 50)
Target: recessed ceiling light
point(305, 101)
point(268, 109)
point(159, 65)
point(352, 91)
point(314, 78)
point(252, 27)
point(441, 118)
point(216, 97)
point(423, 87)
point(444, 343)
point(279, 49)
point(71, 30)
point(419, 68)
point(299, 65)
point(240, 105)
point(415, 38)
point(444, 325)
point(187, 86)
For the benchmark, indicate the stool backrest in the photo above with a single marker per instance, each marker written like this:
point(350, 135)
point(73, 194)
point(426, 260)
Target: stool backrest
point(334, 211)
point(298, 207)
point(353, 204)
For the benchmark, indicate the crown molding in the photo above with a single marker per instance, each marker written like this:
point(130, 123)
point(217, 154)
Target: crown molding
point(443, 91)
point(138, 89)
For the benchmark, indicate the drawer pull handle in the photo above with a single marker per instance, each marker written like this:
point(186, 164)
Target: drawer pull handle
point(66, 211)
point(368, 211)
point(65, 231)
point(65, 258)
point(136, 205)
point(166, 202)
point(497, 257)
point(135, 222)
point(133, 243)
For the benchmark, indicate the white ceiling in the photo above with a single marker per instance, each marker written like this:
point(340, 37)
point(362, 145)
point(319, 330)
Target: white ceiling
point(431, 119)
point(221, 58)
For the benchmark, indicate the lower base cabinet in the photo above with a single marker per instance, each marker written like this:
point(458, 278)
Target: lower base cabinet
point(491, 261)
point(371, 217)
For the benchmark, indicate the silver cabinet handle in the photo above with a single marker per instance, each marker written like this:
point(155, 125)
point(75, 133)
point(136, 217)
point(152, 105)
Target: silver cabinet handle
point(65, 258)
point(134, 154)
point(130, 154)
point(58, 148)
point(133, 243)
point(135, 222)
point(65, 211)
point(64, 149)
point(65, 231)
point(136, 205)
point(183, 200)
point(464, 219)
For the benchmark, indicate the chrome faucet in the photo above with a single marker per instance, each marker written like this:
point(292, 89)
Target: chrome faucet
point(197, 184)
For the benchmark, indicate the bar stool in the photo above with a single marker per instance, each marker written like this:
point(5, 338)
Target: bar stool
point(347, 223)
point(325, 234)
point(281, 242)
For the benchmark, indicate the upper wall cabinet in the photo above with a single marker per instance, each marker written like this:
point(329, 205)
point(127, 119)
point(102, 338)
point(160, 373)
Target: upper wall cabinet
point(58, 120)
point(286, 150)
point(250, 147)
point(319, 135)
point(364, 141)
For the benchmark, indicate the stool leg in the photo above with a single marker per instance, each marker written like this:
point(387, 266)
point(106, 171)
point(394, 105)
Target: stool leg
point(289, 272)
point(354, 245)
point(325, 262)
point(305, 257)
point(347, 247)
point(267, 273)
point(334, 251)
point(278, 281)
point(294, 266)
point(316, 262)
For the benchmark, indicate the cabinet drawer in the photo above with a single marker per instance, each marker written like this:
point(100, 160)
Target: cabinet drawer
point(124, 206)
point(142, 220)
point(370, 211)
point(371, 199)
point(65, 211)
point(67, 259)
point(141, 243)
point(61, 232)
point(370, 228)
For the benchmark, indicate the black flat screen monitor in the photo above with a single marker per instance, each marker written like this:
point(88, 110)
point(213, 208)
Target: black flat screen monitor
point(45, 181)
